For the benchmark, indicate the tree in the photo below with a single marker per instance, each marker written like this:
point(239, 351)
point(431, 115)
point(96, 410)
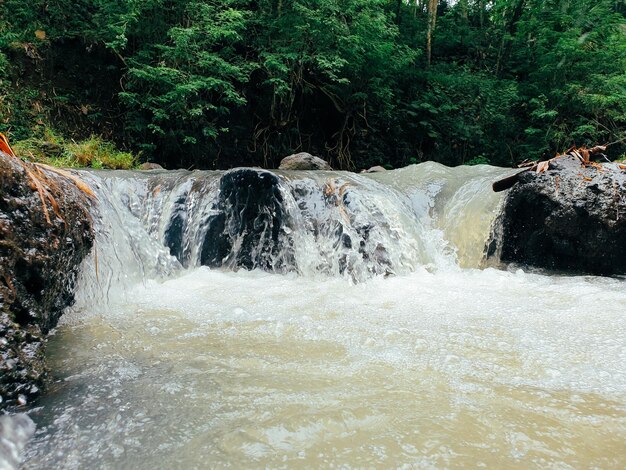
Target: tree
point(432, 21)
point(217, 83)
point(181, 89)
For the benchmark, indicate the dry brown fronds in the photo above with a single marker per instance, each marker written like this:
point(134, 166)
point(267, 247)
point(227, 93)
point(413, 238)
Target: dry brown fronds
point(80, 184)
point(39, 183)
point(4, 145)
point(584, 154)
point(42, 183)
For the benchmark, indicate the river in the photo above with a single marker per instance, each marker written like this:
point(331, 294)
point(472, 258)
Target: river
point(426, 357)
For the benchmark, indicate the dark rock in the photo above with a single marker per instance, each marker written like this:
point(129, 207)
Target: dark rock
point(247, 229)
point(569, 218)
point(15, 432)
point(303, 161)
point(150, 166)
point(175, 230)
point(39, 260)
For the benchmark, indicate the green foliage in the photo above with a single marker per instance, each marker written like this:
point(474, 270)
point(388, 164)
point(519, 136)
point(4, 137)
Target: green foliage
point(342, 59)
point(465, 114)
point(478, 160)
point(573, 55)
point(241, 82)
point(181, 90)
point(94, 152)
point(4, 66)
point(97, 153)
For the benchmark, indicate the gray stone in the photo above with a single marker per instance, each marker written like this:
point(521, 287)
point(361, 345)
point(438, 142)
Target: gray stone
point(150, 166)
point(569, 218)
point(375, 169)
point(303, 161)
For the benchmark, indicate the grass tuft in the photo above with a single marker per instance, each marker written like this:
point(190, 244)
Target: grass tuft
point(94, 152)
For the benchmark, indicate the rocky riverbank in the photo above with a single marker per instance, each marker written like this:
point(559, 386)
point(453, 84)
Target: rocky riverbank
point(45, 232)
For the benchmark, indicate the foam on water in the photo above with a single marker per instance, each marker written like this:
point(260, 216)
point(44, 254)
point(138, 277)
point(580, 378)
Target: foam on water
point(249, 369)
point(331, 364)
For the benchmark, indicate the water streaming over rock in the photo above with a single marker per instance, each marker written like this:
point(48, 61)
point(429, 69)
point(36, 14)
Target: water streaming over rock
point(154, 225)
point(256, 319)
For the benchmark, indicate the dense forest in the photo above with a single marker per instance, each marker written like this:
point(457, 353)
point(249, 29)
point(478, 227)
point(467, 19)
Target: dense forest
point(222, 83)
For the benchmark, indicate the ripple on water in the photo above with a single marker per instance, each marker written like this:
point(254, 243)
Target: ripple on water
point(445, 369)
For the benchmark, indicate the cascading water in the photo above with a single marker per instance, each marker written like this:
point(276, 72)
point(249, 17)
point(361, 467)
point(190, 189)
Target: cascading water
point(325, 319)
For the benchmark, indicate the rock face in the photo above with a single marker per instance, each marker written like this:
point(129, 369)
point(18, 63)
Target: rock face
point(249, 226)
point(40, 251)
point(568, 218)
point(303, 161)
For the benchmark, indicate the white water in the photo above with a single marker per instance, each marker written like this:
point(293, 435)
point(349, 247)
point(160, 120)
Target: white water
point(441, 366)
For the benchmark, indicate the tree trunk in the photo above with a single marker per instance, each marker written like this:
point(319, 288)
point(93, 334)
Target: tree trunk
point(510, 28)
point(432, 21)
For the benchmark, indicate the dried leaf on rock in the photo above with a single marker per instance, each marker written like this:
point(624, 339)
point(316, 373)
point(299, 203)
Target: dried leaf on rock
point(543, 166)
point(80, 184)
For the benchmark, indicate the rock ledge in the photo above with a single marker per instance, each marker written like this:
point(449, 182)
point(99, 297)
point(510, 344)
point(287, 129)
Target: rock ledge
point(41, 248)
point(569, 218)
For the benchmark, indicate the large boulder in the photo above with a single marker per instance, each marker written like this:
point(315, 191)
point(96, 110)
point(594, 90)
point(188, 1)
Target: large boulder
point(45, 232)
point(303, 161)
point(249, 229)
point(569, 218)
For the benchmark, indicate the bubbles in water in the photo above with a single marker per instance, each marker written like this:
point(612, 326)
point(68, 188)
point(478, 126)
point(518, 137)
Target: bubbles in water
point(165, 364)
point(257, 369)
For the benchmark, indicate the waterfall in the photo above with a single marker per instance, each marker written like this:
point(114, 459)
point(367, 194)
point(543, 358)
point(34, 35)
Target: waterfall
point(267, 319)
point(154, 225)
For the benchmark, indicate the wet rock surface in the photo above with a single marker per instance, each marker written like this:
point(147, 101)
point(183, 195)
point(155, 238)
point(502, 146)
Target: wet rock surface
point(569, 218)
point(250, 216)
point(39, 259)
point(303, 161)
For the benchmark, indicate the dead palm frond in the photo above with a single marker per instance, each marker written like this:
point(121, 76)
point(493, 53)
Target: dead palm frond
point(42, 183)
point(4, 145)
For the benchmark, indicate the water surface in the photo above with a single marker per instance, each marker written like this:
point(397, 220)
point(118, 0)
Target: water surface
point(440, 368)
